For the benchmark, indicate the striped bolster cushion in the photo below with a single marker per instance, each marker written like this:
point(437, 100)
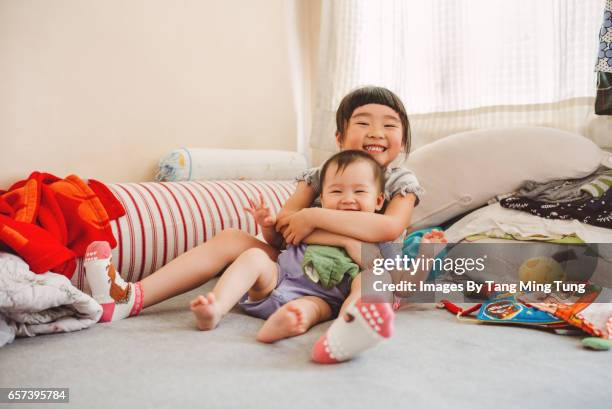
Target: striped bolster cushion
point(164, 220)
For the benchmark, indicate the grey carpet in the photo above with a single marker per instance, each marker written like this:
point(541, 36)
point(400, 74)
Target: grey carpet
point(159, 360)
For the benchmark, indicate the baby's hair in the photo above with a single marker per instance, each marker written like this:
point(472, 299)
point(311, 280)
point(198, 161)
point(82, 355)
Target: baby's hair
point(344, 158)
point(372, 95)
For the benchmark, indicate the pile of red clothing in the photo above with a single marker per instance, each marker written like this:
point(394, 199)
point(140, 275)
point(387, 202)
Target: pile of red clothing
point(49, 221)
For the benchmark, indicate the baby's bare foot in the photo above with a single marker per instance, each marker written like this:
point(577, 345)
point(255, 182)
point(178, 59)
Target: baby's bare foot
point(288, 321)
point(206, 312)
point(434, 236)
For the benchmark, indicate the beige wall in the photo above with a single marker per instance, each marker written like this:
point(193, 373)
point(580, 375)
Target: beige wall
point(104, 88)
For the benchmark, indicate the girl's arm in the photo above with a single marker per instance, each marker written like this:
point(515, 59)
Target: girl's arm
point(325, 238)
point(302, 198)
point(368, 227)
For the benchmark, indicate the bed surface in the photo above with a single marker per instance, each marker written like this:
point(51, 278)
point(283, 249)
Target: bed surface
point(160, 360)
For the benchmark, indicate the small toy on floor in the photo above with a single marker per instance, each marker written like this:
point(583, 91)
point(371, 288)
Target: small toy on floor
point(541, 270)
point(597, 344)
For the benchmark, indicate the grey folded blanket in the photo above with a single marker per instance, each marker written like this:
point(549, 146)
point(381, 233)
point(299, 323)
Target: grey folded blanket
point(560, 191)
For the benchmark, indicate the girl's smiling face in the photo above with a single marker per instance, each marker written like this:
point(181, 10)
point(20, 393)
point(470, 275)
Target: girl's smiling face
point(376, 129)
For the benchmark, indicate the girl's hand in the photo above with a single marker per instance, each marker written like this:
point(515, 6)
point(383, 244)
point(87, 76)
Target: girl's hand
point(261, 213)
point(282, 219)
point(295, 227)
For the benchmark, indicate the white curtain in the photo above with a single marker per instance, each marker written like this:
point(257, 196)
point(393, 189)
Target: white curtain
point(461, 64)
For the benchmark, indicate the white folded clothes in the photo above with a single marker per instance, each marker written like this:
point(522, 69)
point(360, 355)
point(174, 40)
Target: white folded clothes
point(33, 304)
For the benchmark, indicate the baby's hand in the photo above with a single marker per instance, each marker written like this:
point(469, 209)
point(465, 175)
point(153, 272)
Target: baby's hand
point(262, 214)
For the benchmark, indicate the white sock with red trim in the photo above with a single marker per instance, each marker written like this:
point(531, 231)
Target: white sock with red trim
point(117, 298)
point(361, 327)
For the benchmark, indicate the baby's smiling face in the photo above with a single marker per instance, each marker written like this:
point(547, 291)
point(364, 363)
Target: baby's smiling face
point(352, 188)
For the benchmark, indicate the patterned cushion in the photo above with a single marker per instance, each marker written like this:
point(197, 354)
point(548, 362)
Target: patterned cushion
point(164, 220)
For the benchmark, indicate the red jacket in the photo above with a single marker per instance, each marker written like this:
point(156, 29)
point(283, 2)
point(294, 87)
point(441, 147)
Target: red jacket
point(50, 221)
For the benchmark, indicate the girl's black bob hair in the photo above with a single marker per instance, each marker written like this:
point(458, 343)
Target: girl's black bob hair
point(372, 95)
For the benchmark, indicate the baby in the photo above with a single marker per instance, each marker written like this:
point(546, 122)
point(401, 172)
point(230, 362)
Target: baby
point(289, 300)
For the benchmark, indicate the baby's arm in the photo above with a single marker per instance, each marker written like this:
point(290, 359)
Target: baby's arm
point(363, 226)
point(266, 220)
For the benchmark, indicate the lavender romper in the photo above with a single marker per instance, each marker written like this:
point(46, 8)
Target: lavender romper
point(293, 284)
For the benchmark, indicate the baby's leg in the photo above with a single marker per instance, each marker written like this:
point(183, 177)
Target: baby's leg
point(252, 270)
point(200, 264)
point(354, 295)
point(186, 272)
point(294, 318)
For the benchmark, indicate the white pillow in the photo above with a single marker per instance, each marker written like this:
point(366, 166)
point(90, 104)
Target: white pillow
point(464, 171)
point(221, 164)
point(525, 224)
